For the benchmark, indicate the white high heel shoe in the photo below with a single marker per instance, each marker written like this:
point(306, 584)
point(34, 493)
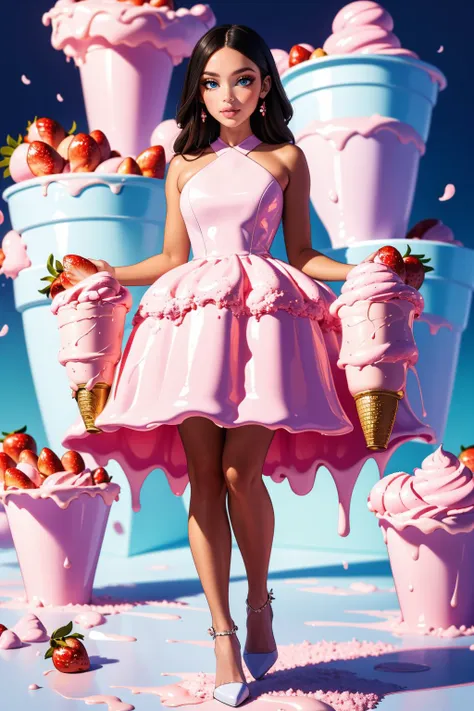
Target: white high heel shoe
point(235, 692)
point(258, 663)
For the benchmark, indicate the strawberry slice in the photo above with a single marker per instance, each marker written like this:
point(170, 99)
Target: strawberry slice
point(73, 462)
point(48, 462)
point(77, 268)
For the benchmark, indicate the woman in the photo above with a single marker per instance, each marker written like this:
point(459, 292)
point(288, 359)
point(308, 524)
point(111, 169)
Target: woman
point(228, 356)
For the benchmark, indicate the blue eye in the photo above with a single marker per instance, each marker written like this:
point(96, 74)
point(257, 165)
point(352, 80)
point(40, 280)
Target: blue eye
point(213, 81)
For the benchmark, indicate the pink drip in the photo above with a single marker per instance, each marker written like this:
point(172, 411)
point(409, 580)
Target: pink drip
point(454, 599)
point(75, 186)
point(415, 372)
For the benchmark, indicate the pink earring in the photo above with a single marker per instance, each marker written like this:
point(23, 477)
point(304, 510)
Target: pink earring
point(203, 116)
point(263, 108)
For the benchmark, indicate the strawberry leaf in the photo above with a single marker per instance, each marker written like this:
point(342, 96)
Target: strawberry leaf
point(427, 269)
point(49, 266)
point(6, 173)
point(62, 631)
point(20, 431)
point(11, 142)
point(5, 162)
point(73, 128)
point(59, 266)
point(77, 635)
point(6, 150)
point(46, 290)
point(49, 653)
point(48, 278)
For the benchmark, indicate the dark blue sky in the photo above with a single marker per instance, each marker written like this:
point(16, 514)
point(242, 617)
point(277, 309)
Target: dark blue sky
point(421, 25)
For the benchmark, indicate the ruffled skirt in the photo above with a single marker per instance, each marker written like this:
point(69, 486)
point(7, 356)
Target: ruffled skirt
point(239, 340)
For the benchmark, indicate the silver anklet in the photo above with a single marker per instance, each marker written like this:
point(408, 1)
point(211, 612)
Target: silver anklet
point(215, 634)
point(259, 609)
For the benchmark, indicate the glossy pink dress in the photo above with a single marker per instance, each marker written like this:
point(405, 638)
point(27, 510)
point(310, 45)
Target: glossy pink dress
point(238, 337)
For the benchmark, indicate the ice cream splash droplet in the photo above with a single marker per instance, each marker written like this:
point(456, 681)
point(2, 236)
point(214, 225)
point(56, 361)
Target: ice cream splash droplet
point(67, 562)
point(25, 80)
point(4, 330)
point(33, 687)
point(118, 528)
point(102, 636)
point(449, 192)
point(440, 49)
point(59, 98)
point(2, 217)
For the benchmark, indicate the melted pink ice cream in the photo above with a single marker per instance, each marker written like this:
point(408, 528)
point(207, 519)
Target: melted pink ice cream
point(377, 310)
point(91, 318)
point(63, 479)
point(31, 629)
point(364, 27)
point(439, 232)
point(439, 495)
point(10, 640)
point(16, 257)
point(78, 25)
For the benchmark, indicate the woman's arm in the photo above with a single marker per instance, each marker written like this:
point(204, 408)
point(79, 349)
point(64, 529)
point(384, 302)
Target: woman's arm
point(176, 243)
point(296, 223)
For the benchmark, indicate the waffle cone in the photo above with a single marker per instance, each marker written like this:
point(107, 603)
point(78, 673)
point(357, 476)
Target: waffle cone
point(91, 403)
point(377, 410)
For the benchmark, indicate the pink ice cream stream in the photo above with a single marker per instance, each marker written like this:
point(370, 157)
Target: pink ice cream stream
point(16, 257)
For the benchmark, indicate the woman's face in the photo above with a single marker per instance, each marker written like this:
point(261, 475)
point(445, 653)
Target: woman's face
point(232, 81)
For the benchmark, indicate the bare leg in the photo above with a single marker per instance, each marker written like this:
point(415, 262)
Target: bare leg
point(209, 535)
point(253, 522)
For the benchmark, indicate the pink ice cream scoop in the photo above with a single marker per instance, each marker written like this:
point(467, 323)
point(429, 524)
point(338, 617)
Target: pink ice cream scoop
point(364, 27)
point(428, 524)
point(91, 317)
point(377, 310)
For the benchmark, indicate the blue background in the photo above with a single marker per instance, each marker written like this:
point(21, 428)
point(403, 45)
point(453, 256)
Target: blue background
point(420, 24)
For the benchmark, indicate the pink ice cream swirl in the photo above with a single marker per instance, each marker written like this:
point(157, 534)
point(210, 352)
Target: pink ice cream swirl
point(76, 25)
point(364, 27)
point(63, 479)
point(370, 281)
point(101, 287)
point(439, 495)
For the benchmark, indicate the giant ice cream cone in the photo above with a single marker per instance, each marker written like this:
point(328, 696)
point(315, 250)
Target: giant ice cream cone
point(377, 310)
point(366, 106)
point(91, 318)
point(126, 54)
point(57, 531)
point(428, 524)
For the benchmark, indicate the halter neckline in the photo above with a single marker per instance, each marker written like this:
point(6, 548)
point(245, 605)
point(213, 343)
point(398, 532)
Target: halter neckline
point(244, 146)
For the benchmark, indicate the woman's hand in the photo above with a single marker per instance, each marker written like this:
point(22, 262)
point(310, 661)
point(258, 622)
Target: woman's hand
point(370, 258)
point(103, 266)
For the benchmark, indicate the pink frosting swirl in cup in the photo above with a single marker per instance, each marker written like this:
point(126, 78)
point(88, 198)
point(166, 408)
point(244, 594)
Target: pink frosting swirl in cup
point(369, 281)
point(364, 27)
point(99, 287)
point(68, 479)
point(441, 491)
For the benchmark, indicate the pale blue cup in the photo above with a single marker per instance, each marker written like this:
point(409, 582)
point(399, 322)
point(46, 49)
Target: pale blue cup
point(121, 228)
point(334, 87)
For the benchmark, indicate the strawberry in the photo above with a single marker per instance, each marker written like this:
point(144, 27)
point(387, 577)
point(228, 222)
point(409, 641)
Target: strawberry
point(319, 52)
point(2, 629)
point(67, 651)
point(56, 287)
point(55, 278)
point(162, 3)
point(152, 162)
point(47, 130)
point(5, 463)
point(2, 257)
point(16, 441)
point(73, 462)
point(392, 258)
point(100, 476)
point(43, 159)
point(29, 457)
point(129, 166)
point(63, 148)
point(83, 154)
point(65, 283)
point(77, 268)
point(467, 457)
point(418, 230)
point(115, 154)
point(134, 2)
point(103, 142)
point(16, 479)
point(298, 54)
point(48, 462)
point(415, 268)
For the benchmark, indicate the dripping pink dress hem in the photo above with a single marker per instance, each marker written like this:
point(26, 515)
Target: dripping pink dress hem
point(238, 337)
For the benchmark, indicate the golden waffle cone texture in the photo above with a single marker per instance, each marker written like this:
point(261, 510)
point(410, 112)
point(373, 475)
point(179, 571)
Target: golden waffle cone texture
point(377, 410)
point(91, 403)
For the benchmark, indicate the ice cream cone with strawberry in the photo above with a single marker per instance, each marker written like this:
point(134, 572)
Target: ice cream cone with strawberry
point(377, 307)
point(91, 307)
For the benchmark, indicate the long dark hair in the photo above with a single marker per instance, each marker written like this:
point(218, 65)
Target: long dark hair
point(271, 128)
